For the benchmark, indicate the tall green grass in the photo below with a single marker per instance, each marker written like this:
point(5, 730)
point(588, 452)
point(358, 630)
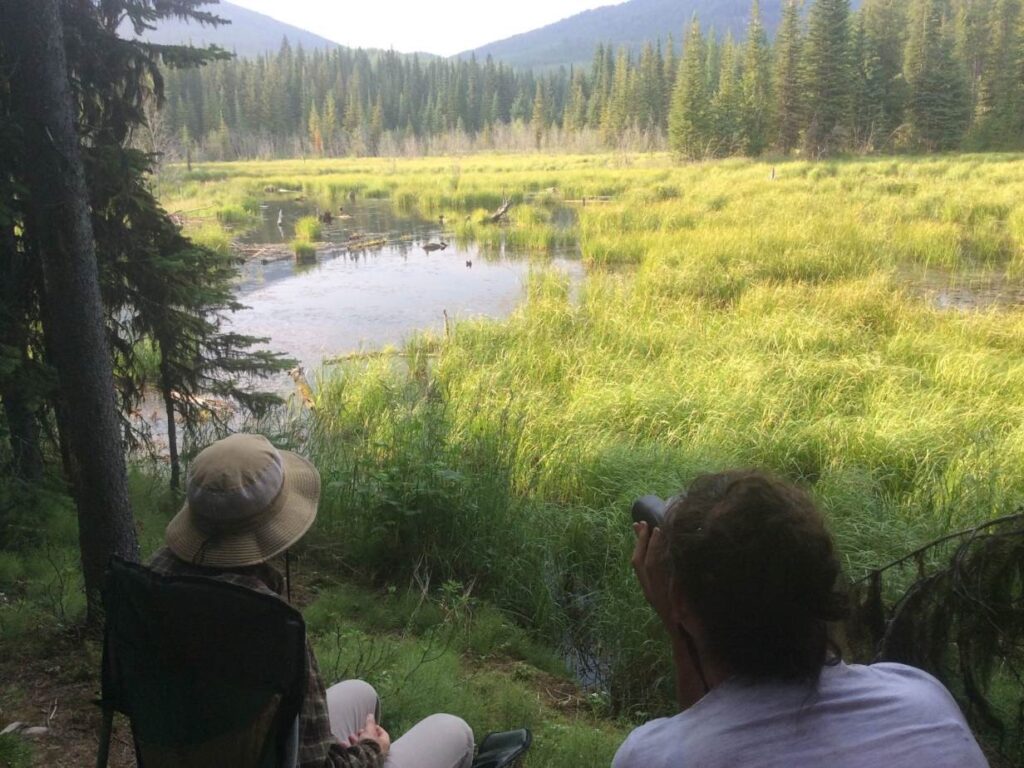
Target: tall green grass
point(727, 319)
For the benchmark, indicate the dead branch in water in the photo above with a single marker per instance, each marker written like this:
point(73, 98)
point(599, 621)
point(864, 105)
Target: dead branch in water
point(501, 213)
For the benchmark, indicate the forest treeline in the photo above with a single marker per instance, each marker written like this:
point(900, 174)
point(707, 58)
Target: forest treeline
point(923, 75)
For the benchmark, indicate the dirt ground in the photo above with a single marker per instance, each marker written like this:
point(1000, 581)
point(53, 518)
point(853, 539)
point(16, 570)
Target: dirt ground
point(55, 685)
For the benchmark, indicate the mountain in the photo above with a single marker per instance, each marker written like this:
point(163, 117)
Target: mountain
point(572, 40)
point(249, 33)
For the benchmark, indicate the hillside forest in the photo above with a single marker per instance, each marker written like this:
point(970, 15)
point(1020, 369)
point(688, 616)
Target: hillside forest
point(924, 75)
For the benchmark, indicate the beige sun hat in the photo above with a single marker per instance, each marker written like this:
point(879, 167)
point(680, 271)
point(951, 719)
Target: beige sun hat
point(246, 502)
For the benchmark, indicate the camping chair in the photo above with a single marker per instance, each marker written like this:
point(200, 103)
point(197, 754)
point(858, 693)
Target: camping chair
point(208, 673)
point(212, 674)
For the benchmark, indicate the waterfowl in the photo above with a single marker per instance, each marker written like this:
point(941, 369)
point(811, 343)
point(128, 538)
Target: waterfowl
point(431, 247)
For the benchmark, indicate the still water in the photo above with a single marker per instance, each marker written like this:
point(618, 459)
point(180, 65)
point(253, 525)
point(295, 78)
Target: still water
point(356, 299)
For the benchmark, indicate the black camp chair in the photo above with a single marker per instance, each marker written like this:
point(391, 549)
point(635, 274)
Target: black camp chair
point(191, 706)
point(208, 673)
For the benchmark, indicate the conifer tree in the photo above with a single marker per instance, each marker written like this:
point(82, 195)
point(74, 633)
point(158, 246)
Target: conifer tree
point(649, 93)
point(884, 90)
point(690, 116)
point(827, 75)
point(757, 93)
point(539, 119)
point(727, 104)
point(1000, 87)
point(617, 113)
point(329, 122)
point(316, 136)
point(938, 101)
point(576, 110)
point(789, 98)
point(971, 19)
point(669, 72)
point(713, 63)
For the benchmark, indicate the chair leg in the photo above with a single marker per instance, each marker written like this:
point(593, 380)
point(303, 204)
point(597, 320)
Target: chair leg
point(106, 729)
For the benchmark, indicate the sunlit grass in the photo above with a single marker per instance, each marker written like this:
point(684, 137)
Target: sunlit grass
point(728, 318)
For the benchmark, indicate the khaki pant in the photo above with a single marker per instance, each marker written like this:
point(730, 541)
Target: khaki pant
point(438, 741)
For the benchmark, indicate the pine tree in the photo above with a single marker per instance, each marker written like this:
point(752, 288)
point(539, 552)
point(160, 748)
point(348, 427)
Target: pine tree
point(316, 136)
point(971, 21)
point(1000, 87)
point(576, 110)
point(727, 104)
point(884, 91)
point(617, 113)
point(691, 110)
point(789, 99)
point(938, 105)
point(827, 75)
point(669, 71)
point(757, 106)
point(539, 118)
point(649, 93)
point(329, 122)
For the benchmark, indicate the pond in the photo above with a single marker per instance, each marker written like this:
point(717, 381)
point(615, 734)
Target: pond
point(357, 298)
point(965, 291)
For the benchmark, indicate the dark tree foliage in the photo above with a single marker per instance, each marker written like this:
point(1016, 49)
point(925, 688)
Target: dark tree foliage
point(827, 76)
point(158, 289)
point(961, 619)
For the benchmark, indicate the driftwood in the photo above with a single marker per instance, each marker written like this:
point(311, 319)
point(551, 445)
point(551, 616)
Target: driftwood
point(501, 213)
point(362, 245)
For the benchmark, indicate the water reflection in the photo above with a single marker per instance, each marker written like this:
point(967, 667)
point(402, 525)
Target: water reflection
point(965, 291)
point(351, 300)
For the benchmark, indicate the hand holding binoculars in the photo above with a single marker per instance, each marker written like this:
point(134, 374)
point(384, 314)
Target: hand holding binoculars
point(651, 510)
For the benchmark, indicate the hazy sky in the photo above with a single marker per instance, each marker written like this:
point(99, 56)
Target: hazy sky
point(434, 26)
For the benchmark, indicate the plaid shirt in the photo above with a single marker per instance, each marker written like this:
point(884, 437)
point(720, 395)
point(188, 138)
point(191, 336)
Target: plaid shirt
point(318, 747)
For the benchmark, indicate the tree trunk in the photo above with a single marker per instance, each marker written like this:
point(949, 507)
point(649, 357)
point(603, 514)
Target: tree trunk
point(33, 36)
point(21, 420)
point(172, 428)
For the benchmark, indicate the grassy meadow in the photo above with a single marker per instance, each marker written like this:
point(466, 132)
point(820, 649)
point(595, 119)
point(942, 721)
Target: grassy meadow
point(473, 535)
point(736, 313)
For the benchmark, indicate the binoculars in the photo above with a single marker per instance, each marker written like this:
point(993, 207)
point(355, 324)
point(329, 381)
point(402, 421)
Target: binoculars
point(651, 510)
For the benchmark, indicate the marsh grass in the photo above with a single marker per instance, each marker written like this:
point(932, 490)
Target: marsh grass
point(305, 252)
point(446, 652)
point(308, 229)
point(726, 320)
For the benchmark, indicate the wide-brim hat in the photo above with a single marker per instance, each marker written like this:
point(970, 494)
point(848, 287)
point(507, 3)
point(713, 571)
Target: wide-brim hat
point(246, 502)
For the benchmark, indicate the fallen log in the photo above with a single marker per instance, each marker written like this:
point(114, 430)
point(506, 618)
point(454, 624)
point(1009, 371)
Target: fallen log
point(501, 213)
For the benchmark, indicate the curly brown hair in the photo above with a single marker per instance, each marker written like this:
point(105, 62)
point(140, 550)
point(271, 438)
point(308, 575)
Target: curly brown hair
point(752, 555)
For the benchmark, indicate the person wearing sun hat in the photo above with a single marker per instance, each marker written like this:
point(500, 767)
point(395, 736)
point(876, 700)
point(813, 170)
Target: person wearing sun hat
point(246, 504)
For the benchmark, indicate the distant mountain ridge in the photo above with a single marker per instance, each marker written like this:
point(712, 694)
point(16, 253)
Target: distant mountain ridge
point(573, 40)
point(249, 34)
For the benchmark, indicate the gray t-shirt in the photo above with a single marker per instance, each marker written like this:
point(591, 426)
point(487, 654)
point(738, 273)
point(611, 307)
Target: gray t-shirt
point(856, 717)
